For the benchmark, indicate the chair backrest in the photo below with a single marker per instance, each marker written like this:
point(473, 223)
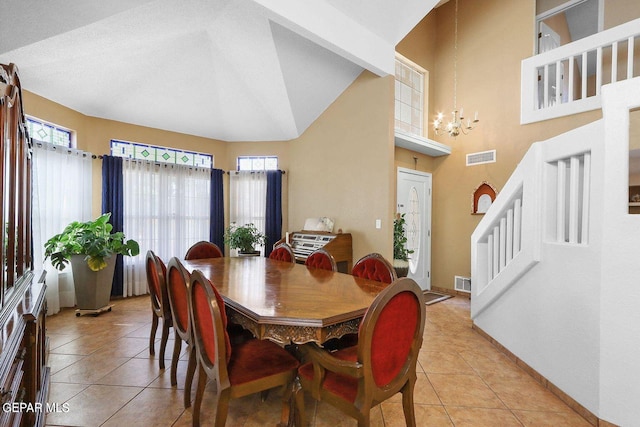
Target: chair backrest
point(156, 275)
point(321, 259)
point(178, 283)
point(207, 315)
point(283, 252)
point(374, 267)
point(203, 249)
point(390, 336)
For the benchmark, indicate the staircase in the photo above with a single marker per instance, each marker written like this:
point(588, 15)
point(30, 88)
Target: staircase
point(556, 263)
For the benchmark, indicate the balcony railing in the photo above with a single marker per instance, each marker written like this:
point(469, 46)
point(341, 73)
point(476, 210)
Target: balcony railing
point(567, 80)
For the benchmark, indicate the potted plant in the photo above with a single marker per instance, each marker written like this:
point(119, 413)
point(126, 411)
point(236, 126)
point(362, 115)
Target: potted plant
point(90, 248)
point(400, 251)
point(243, 238)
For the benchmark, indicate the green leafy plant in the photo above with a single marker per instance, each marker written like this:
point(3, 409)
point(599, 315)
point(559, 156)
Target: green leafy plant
point(93, 239)
point(400, 251)
point(244, 238)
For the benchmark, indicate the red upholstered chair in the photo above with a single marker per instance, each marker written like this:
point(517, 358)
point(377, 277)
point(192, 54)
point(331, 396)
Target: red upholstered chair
point(355, 379)
point(245, 368)
point(178, 283)
point(321, 259)
point(283, 252)
point(156, 273)
point(374, 267)
point(203, 249)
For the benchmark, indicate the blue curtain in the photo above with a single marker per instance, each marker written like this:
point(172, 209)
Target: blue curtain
point(113, 201)
point(216, 208)
point(273, 216)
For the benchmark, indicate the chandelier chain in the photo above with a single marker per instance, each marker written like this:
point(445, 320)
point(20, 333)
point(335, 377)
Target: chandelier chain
point(455, 59)
point(456, 125)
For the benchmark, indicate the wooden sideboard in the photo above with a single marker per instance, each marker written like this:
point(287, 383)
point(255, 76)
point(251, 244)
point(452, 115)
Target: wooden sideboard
point(24, 376)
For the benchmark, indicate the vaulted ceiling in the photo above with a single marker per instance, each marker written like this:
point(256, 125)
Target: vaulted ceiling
point(234, 70)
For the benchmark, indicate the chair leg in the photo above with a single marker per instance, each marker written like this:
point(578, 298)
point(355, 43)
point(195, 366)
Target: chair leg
point(163, 341)
point(191, 369)
point(407, 403)
point(287, 403)
point(152, 336)
point(177, 347)
point(298, 394)
point(223, 407)
point(202, 382)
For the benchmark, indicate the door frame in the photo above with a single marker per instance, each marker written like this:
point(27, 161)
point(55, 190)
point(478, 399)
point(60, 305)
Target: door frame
point(426, 237)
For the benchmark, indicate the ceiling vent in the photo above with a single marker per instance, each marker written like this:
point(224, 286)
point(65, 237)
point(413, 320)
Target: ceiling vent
point(481, 157)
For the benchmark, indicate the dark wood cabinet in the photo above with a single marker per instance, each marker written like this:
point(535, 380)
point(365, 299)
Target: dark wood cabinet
point(24, 376)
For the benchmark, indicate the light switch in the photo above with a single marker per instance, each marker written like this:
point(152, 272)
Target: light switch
point(378, 224)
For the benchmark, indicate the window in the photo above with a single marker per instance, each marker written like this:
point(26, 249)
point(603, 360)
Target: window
point(410, 97)
point(48, 132)
point(152, 153)
point(257, 163)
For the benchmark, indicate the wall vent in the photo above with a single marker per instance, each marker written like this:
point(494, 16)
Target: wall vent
point(481, 157)
point(462, 284)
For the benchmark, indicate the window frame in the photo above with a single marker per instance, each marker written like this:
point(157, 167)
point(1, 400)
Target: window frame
point(424, 93)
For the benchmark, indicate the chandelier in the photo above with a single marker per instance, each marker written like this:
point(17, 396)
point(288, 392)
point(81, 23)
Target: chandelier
point(457, 124)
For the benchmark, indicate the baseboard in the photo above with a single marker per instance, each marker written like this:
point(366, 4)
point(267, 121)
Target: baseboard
point(578, 408)
point(450, 291)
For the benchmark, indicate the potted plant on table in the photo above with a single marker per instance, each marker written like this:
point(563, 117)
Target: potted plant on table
point(400, 251)
point(244, 238)
point(90, 247)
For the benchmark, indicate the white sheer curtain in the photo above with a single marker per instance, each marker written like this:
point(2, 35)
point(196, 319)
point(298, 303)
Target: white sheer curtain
point(61, 194)
point(166, 209)
point(248, 198)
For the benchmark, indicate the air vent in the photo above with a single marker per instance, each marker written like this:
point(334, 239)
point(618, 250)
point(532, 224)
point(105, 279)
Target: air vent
point(481, 157)
point(462, 284)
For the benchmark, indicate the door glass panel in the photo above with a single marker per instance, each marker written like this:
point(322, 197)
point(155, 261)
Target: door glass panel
point(413, 228)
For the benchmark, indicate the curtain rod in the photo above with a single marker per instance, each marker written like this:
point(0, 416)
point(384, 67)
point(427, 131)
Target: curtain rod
point(260, 171)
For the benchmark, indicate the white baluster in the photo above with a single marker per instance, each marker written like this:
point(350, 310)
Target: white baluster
point(517, 225)
point(630, 47)
point(490, 273)
point(503, 242)
point(584, 75)
point(586, 194)
point(571, 72)
point(574, 199)
point(509, 237)
point(614, 62)
point(598, 70)
point(496, 250)
point(560, 201)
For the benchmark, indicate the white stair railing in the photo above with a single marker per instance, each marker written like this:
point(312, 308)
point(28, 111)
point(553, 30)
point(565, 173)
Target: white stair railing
point(568, 80)
point(546, 200)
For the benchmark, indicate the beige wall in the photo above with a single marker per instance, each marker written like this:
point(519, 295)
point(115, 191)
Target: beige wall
point(341, 167)
point(489, 56)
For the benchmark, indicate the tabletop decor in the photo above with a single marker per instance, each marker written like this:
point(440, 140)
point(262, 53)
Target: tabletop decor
point(244, 238)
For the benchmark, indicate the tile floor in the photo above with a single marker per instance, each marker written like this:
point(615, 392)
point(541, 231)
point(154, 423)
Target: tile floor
point(101, 369)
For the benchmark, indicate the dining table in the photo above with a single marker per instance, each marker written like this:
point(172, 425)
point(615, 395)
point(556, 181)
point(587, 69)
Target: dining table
point(286, 302)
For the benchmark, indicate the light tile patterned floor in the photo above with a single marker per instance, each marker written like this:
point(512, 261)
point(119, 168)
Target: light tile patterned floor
point(102, 370)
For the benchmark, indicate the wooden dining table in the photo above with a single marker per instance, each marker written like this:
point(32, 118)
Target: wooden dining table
point(288, 303)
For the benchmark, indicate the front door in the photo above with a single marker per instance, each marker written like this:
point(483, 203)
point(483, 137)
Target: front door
point(414, 200)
